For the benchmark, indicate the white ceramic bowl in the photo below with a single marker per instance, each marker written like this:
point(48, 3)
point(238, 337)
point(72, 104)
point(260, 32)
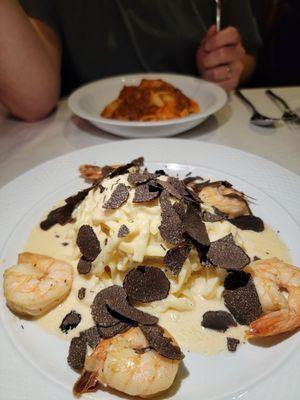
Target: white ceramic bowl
point(88, 101)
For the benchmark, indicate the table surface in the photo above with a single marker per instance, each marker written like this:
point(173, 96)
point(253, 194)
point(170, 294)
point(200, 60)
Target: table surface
point(25, 145)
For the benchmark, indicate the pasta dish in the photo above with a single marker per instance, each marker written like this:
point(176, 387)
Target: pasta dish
point(152, 100)
point(141, 266)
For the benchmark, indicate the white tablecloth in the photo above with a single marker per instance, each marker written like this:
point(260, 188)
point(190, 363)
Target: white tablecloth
point(25, 145)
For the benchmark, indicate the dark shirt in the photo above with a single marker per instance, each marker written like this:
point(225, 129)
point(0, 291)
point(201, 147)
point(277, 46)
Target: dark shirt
point(102, 38)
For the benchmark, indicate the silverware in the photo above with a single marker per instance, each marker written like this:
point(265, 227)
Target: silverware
point(257, 118)
point(288, 114)
point(218, 15)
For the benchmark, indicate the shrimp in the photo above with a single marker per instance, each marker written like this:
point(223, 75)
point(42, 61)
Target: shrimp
point(225, 199)
point(281, 314)
point(36, 284)
point(92, 173)
point(126, 363)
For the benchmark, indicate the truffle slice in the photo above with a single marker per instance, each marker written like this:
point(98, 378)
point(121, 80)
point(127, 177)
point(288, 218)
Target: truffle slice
point(171, 228)
point(78, 197)
point(101, 315)
point(213, 217)
point(138, 178)
point(232, 344)
point(224, 253)
point(123, 231)
point(117, 198)
point(179, 208)
point(110, 306)
point(175, 258)
point(84, 266)
point(248, 222)
point(218, 320)
point(81, 293)
point(63, 215)
point(146, 284)
point(241, 297)
point(202, 253)
point(91, 336)
point(144, 193)
point(174, 187)
point(88, 243)
point(162, 344)
point(70, 321)
point(77, 353)
point(119, 304)
point(194, 225)
point(111, 331)
point(123, 169)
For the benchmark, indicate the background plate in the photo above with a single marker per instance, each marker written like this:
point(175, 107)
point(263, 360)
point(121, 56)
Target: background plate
point(88, 101)
point(249, 373)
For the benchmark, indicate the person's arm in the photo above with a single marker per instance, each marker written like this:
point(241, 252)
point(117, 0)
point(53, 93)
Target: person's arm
point(30, 57)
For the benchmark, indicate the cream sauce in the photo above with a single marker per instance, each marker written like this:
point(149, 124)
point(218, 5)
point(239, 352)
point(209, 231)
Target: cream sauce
point(185, 326)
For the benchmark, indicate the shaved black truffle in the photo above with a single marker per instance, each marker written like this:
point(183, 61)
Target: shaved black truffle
point(91, 336)
point(171, 228)
point(110, 306)
point(162, 344)
point(146, 284)
point(145, 193)
point(84, 266)
point(213, 217)
point(81, 293)
point(218, 320)
point(248, 222)
point(137, 178)
point(174, 187)
point(123, 231)
point(175, 258)
point(224, 253)
point(194, 225)
point(120, 305)
point(70, 321)
point(111, 331)
point(241, 297)
point(100, 313)
point(63, 215)
point(179, 208)
point(232, 344)
point(118, 197)
point(88, 243)
point(123, 169)
point(77, 353)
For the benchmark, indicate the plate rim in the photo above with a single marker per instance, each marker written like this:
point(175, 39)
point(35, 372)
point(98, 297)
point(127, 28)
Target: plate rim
point(149, 140)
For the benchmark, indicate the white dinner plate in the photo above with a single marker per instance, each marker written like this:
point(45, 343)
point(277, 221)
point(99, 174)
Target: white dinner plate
point(88, 101)
point(33, 363)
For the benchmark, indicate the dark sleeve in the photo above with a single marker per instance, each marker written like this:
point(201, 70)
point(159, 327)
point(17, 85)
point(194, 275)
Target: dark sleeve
point(44, 10)
point(238, 13)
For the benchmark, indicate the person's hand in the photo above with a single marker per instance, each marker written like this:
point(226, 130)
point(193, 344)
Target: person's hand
point(219, 57)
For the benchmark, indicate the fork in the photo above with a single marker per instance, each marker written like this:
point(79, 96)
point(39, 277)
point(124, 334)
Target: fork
point(288, 116)
point(218, 15)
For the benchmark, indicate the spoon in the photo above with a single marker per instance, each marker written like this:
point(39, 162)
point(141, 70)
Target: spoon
point(257, 118)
